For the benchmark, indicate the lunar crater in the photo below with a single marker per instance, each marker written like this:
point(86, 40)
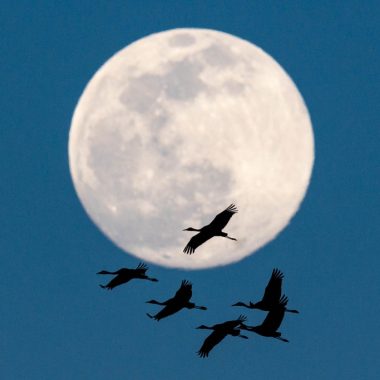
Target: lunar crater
point(219, 55)
point(182, 40)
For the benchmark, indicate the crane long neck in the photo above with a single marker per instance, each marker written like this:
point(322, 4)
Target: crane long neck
point(249, 306)
point(157, 303)
point(108, 272)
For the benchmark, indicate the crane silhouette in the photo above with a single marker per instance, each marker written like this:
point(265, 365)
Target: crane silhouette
point(180, 301)
point(213, 229)
point(221, 330)
point(272, 295)
point(124, 275)
point(272, 322)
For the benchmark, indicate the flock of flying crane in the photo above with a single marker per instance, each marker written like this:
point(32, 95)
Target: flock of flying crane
point(273, 301)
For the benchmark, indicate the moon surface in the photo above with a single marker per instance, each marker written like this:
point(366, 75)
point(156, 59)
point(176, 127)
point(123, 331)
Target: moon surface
point(177, 126)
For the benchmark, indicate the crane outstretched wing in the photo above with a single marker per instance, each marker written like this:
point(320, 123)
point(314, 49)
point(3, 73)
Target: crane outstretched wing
point(141, 268)
point(210, 342)
point(185, 291)
point(196, 241)
point(272, 293)
point(221, 220)
point(275, 316)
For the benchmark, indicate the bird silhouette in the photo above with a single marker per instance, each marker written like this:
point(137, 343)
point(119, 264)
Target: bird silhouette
point(221, 330)
point(180, 301)
point(211, 230)
point(272, 322)
point(272, 295)
point(124, 275)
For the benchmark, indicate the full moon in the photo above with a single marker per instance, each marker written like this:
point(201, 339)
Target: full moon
point(177, 126)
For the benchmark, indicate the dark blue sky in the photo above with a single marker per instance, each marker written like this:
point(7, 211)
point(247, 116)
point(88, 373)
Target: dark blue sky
point(56, 323)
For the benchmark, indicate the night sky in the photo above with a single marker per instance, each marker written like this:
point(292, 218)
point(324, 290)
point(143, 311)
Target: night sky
point(57, 323)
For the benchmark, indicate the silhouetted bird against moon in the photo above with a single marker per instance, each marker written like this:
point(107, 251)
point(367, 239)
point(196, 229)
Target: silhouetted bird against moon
point(221, 330)
point(271, 323)
point(272, 294)
point(213, 229)
point(180, 301)
point(124, 275)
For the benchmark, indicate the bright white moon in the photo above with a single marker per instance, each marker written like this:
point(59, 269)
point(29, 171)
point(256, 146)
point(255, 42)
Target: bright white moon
point(177, 126)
